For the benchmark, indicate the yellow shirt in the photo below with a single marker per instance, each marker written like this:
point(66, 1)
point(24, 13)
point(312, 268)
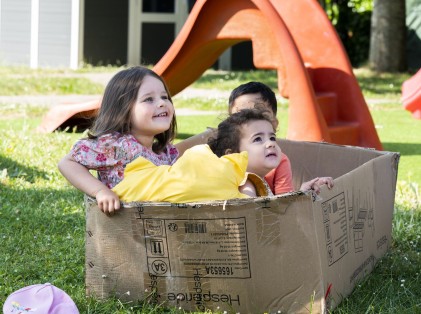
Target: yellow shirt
point(198, 175)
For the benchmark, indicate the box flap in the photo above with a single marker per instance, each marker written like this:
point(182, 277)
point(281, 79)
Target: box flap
point(310, 160)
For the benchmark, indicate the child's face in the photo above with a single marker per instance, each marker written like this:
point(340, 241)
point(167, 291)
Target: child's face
point(259, 140)
point(249, 101)
point(153, 111)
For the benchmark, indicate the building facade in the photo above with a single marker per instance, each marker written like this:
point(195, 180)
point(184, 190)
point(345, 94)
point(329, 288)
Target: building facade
point(39, 33)
point(68, 33)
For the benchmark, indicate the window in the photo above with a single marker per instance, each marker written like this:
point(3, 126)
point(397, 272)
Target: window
point(159, 6)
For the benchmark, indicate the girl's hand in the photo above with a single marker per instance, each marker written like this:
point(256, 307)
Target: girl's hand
point(108, 201)
point(315, 184)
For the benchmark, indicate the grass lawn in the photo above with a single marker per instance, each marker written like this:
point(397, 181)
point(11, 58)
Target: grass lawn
point(42, 219)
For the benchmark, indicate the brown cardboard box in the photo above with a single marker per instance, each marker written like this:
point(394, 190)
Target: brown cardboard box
point(289, 253)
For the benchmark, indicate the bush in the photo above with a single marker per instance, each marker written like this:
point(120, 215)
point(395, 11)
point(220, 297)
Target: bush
point(352, 21)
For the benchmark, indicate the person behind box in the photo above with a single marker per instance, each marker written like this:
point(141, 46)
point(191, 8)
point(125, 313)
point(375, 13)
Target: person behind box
point(228, 174)
point(260, 96)
point(136, 118)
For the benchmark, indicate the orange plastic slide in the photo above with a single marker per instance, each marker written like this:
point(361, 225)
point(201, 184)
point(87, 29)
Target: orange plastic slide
point(78, 115)
point(293, 37)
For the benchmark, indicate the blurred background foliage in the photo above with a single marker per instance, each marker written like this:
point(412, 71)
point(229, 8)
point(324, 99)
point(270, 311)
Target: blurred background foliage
point(352, 20)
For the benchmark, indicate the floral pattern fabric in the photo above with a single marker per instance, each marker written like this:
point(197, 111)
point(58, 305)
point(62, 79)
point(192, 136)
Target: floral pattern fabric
point(110, 153)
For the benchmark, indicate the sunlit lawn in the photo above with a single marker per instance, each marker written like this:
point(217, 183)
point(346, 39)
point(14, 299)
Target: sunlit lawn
point(42, 219)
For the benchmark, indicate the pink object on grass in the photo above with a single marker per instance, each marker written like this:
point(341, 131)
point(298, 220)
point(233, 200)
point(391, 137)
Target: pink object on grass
point(40, 298)
point(411, 95)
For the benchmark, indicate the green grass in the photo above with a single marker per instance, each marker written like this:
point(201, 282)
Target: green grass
point(21, 81)
point(217, 104)
point(227, 81)
point(374, 85)
point(381, 85)
point(42, 219)
point(48, 86)
point(399, 132)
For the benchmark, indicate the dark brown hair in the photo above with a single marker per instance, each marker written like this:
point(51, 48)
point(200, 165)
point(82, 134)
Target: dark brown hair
point(253, 88)
point(119, 98)
point(228, 135)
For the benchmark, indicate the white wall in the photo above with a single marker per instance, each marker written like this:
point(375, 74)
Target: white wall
point(41, 33)
point(15, 32)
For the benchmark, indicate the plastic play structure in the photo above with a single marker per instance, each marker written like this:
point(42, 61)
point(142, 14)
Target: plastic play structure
point(294, 37)
point(411, 95)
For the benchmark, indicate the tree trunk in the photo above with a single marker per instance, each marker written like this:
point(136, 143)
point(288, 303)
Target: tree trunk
point(388, 36)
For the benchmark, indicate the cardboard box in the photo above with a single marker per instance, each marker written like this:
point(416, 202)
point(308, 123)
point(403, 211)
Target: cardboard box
point(289, 253)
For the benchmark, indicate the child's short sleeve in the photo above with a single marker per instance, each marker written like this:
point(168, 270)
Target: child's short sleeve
point(172, 153)
point(110, 153)
point(102, 153)
point(280, 178)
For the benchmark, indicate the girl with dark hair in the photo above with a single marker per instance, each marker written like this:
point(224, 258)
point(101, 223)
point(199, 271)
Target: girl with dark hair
point(136, 119)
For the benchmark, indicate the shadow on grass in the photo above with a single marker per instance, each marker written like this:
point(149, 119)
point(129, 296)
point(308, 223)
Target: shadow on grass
point(386, 84)
point(41, 203)
point(17, 170)
point(407, 149)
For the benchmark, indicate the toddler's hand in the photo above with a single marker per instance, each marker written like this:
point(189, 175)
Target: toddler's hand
point(108, 201)
point(316, 183)
point(325, 180)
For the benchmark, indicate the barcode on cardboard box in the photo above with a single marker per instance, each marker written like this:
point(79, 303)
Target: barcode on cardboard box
point(197, 227)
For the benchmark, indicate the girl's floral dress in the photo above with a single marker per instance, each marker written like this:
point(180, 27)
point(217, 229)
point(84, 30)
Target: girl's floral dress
point(110, 153)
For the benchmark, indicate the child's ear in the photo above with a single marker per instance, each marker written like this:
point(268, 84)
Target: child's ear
point(228, 151)
point(275, 124)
